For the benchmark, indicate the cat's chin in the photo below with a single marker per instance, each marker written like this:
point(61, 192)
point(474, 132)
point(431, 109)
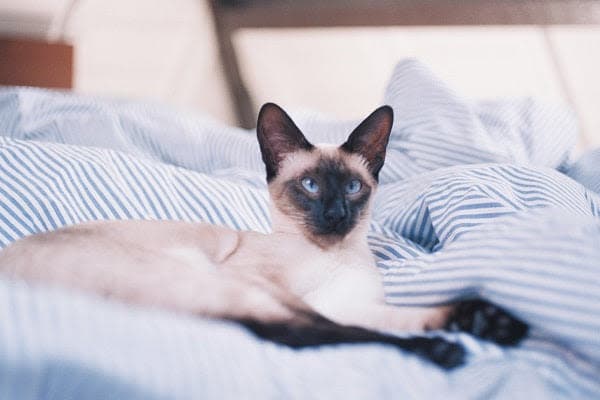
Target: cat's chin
point(327, 237)
point(327, 240)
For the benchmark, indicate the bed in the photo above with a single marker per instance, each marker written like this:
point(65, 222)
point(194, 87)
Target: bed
point(476, 199)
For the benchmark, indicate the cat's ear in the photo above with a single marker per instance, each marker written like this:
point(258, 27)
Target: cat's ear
point(370, 138)
point(277, 136)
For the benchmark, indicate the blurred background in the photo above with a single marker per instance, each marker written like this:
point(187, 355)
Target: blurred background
point(228, 57)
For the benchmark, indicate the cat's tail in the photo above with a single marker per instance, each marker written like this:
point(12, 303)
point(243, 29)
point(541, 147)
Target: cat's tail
point(315, 330)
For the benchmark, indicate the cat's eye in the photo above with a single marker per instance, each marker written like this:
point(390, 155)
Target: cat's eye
point(310, 185)
point(353, 186)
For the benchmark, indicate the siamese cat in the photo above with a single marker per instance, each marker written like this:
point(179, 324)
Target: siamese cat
point(312, 281)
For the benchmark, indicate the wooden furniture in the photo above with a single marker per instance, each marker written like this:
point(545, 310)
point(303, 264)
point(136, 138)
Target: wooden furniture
point(31, 62)
point(230, 15)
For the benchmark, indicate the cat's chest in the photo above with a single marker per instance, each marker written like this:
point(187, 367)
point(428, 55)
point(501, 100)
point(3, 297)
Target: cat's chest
point(329, 282)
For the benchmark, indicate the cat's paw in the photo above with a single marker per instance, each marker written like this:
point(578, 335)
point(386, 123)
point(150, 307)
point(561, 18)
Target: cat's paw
point(487, 321)
point(440, 351)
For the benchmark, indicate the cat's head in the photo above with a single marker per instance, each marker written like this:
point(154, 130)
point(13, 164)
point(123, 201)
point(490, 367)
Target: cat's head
point(323, 191)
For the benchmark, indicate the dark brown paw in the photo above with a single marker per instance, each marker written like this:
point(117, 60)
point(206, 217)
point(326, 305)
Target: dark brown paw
point(487, 321)
point(440, 351)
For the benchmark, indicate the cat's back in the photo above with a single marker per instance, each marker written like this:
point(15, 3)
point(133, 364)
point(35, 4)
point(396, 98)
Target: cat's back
point(109, 244)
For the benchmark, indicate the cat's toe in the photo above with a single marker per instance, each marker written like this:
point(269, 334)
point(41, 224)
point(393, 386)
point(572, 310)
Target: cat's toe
point(440, 351)
point(487, 321)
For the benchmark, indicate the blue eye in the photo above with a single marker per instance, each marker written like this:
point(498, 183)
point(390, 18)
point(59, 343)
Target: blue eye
point(310, 185)
point(353, 186)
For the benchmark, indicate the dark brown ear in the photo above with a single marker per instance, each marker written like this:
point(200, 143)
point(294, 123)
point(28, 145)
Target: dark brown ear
point(278, 136)
point(370, 138)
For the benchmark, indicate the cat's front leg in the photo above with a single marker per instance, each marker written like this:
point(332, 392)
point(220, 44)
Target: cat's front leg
point(477, 317)
point(384, 317)
point(486, 321)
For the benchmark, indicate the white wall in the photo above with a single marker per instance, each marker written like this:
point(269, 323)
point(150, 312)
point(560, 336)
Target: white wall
point(344, 71)
point(149, 49)
point(578, 56)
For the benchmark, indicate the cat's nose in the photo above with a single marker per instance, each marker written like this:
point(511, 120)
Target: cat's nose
point(335, 214)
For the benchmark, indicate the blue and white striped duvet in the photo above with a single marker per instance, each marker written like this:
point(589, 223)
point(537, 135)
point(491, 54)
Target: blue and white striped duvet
point(471, 203)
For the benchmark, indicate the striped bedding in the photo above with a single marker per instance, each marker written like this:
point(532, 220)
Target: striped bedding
point(476, 198)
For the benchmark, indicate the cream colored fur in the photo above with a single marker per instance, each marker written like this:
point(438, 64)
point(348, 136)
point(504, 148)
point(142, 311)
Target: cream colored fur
point(218, 272)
